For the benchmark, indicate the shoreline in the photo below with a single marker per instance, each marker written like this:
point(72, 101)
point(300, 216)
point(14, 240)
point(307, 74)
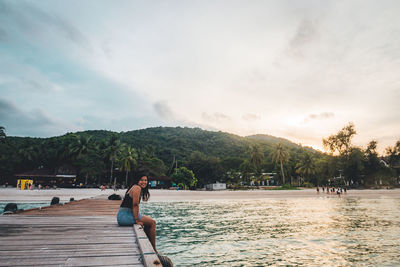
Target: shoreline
point(160, 195)
point(186, 195)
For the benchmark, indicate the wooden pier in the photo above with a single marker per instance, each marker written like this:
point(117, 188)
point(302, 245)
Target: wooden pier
point(79, 233)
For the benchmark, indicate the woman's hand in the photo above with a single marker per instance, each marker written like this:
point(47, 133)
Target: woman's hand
point(140, 223)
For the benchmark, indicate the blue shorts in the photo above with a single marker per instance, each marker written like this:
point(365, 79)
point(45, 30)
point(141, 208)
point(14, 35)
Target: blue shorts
point(125, 217)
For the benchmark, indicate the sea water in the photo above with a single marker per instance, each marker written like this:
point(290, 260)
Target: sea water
point(24, 205)
point(318, 231)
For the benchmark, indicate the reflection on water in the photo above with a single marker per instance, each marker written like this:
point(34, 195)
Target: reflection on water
point(300, 232)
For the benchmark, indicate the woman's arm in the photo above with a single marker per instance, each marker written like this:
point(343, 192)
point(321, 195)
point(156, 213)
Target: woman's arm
point(135, 193)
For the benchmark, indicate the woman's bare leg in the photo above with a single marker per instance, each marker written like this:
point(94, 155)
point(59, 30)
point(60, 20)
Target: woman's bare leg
point(150, 229)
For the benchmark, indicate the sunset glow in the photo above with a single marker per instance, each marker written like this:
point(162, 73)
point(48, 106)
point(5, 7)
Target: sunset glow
point(300, 70)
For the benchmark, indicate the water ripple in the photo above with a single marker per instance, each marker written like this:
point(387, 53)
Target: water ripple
point(294, 232)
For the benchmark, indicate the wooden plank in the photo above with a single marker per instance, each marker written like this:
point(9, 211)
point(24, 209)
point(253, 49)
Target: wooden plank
point(69, 255)
point(66, 252)
point(139, 232)
point(142, 240)
point(70, 237)
point(61, 247)
point(75, 261)
point(104, 261)
point(80, 233)
point(149, 256)
point(33, 262)
point(104, 241)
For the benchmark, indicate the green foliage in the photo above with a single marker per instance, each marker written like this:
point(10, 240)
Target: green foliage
point(128, 160)
point(308, 184)
point(151, 166)
point(256, 158)
point(324, 169)
point(246, 169)
point(340, 142)
point(208, 169)
point(99, 156)
point(2, 134)
point(306, 167)
point(281, 157)
point(184, 176)
point(182, 142)
point(286, 187)
point(359, 167)
point(393, 158)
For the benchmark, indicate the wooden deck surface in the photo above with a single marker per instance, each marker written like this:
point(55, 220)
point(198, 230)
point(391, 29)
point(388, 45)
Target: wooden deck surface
point(79, 233)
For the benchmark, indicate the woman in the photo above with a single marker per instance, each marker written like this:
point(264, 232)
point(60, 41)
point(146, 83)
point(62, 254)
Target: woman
point(129, 214)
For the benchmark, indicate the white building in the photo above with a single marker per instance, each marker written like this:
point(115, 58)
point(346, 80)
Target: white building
point(216, 186)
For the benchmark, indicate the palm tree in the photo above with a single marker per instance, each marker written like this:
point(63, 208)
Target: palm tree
point(127, 161)
point(256, 158)
point(80, 146)
point(92, 164)
point(306, 167)
point(29, 155)
point(393, 154)
point(281, 156)
point(114, 147)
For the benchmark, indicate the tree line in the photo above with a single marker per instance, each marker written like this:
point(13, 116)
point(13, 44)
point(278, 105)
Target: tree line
point(194, 157)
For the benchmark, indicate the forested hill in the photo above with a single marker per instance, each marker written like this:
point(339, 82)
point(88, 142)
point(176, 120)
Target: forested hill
point(209, 154)
point(269, 139)
point(181, 142)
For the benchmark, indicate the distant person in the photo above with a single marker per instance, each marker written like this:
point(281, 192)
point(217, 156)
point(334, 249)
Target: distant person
point(317, 189)
point(129, 214)
point(323, 189)
point(345, 189)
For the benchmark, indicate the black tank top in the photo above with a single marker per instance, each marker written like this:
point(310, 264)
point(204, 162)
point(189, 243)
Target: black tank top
point(128, 200)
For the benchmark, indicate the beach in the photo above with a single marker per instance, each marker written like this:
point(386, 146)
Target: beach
point(158, 195)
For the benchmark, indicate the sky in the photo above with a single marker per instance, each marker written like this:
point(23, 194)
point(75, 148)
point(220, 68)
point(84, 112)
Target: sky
point(300, 70)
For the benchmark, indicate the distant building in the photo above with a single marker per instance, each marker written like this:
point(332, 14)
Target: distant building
point(216, 186)
point(64, 176)
point(162, 182)
point(266, 179)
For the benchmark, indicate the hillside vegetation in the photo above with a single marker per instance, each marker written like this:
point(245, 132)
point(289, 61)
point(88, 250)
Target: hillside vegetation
point(98, 156)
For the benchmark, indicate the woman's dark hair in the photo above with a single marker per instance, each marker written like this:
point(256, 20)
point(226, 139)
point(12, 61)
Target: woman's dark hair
point(144, 193)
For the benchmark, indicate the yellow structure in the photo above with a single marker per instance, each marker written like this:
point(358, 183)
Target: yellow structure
point(24, 184)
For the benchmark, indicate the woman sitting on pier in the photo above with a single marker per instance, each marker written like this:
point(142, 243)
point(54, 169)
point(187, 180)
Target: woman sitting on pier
point(129, 214)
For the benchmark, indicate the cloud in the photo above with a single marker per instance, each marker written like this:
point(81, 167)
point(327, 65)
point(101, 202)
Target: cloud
point(251, 117)
point(34, 122)
point(38, 25)
point(320, 116)
point(6, 109)
point(216, 117)
point(163, 110)
point(25, 78)
point(265, 67)
point(3, 35)
point(306, 33)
